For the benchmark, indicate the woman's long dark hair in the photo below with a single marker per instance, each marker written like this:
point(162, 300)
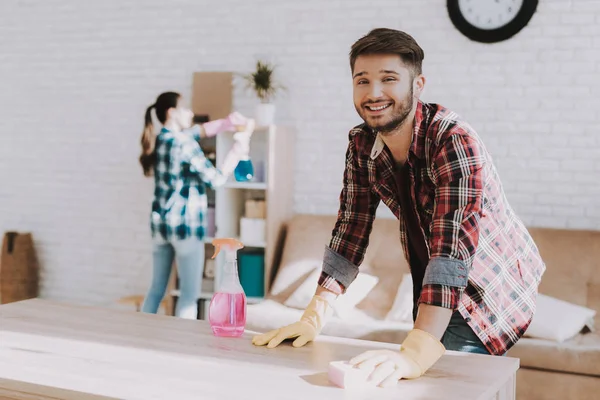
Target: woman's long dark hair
point(162, 105)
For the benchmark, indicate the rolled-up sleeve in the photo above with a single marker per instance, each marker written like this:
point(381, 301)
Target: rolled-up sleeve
point(338, 268)
point(458, 171)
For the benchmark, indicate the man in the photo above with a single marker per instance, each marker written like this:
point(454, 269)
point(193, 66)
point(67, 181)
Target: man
point(474, 266)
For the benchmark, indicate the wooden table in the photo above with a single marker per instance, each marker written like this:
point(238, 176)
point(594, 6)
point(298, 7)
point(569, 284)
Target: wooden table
point(50, 350)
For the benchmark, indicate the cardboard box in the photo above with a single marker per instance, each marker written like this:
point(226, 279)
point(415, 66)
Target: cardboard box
point(212, 94)
point(252, 231)
point(18, 268)
point(255, 209)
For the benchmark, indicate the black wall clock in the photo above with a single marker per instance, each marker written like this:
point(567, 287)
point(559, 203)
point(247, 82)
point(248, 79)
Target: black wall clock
point(490, 21)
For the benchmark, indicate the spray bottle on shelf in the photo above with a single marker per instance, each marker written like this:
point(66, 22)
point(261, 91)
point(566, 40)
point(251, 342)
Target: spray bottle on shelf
point(244, 170)
point(227, 311)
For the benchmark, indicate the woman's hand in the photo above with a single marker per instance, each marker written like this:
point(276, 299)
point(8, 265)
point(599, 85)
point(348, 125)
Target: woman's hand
point(239, 122)
point(233, 122)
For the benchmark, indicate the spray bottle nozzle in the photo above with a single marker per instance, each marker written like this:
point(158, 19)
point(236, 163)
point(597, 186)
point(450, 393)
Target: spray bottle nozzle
point(229, 243)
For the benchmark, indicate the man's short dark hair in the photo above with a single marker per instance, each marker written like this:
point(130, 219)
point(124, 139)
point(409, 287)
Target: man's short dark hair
point(389, 41)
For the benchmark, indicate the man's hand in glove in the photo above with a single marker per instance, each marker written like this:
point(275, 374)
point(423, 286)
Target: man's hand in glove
point(418, 353)
point(305, 330)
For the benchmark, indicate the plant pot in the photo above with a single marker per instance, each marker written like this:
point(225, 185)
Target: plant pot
point(265, 114)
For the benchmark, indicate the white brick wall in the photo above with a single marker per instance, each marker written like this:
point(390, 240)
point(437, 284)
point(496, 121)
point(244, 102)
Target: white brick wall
point(75, 78)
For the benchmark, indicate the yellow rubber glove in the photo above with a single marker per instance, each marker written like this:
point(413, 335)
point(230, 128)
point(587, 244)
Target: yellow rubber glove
point(312, 321)
point(419, 351)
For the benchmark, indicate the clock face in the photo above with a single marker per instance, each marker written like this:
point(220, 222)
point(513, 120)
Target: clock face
point(489, 14)
point(490, 21)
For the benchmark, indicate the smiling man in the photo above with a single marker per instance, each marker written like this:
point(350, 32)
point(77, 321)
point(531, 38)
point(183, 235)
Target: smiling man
point(475, 268)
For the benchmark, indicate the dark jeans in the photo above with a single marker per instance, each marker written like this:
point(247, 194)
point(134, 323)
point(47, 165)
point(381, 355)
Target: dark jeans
point(460, 337)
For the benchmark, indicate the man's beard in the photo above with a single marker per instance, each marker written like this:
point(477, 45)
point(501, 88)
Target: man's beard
point(398, 118)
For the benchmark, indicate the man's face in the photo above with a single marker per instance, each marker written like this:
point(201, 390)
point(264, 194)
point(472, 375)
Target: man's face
point(383, 91)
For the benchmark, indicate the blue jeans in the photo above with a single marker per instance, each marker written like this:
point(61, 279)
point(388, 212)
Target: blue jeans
point(189, 254)
point(460, 337)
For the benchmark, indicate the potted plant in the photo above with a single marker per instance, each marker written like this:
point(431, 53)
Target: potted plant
point(263, 83)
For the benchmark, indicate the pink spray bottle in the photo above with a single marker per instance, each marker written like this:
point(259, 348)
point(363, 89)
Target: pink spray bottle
point(227, 311)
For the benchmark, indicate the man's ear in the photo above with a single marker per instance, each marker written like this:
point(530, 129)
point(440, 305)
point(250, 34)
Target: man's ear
point(419, 85)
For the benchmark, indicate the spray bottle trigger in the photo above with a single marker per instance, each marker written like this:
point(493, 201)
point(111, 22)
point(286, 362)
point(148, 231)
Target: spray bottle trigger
point(228, 243)
point(217, 249)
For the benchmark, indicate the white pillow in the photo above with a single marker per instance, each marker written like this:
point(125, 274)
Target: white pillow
point(402, 308)
point(301, 297)
point(356, 292)
point(290, 276)
point(558, 320)
point(344, 304)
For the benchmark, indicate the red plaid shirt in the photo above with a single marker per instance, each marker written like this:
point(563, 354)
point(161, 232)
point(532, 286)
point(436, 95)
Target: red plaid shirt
point(482, 260)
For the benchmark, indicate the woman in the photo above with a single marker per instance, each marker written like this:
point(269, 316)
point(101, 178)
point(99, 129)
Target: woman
point(181, 174)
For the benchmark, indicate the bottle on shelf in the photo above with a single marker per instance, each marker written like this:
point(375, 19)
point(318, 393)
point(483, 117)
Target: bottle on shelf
point(244, 171)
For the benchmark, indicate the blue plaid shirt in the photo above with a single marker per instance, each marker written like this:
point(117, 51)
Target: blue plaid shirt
point(181, 174)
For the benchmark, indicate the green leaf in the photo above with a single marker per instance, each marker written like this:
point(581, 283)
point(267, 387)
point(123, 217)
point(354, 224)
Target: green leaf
point(262, 81)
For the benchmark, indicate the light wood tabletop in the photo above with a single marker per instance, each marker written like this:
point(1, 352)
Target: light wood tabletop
point(52, 350)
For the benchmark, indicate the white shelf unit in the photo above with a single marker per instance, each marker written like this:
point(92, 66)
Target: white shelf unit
point(246, 185)
point(272, 155)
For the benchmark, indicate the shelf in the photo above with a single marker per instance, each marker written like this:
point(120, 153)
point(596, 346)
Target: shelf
point(246, 185)
point(257, 245)
point(263, 128)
